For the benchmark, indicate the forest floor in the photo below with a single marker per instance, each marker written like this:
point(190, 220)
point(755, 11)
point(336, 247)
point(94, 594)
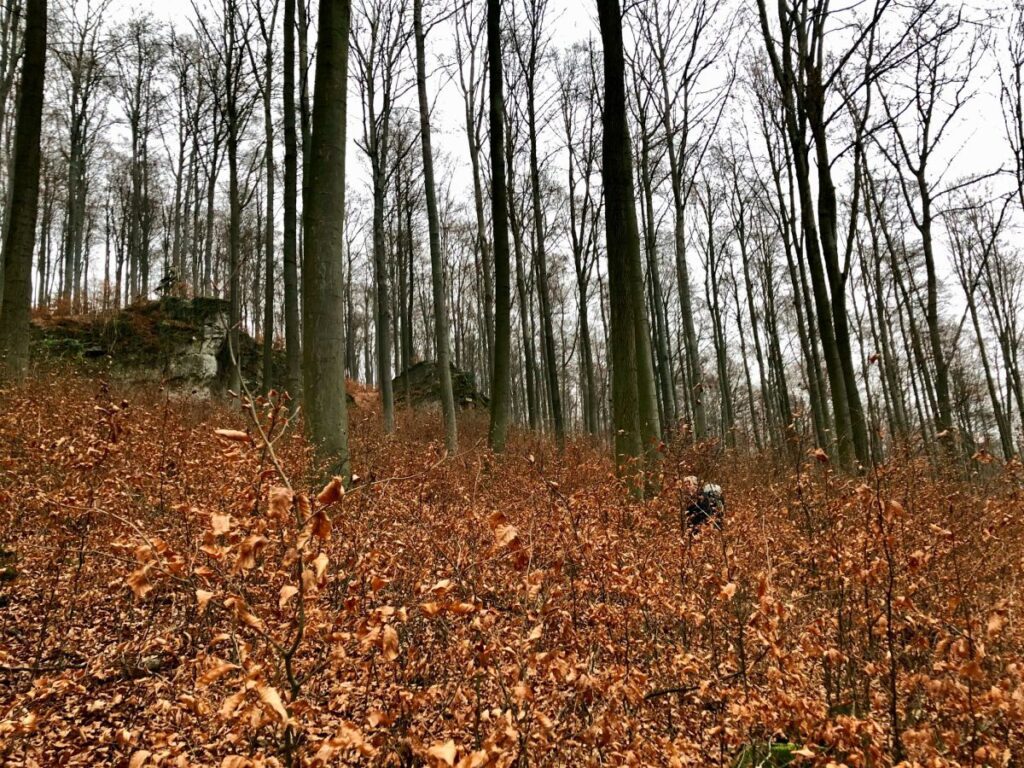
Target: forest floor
point(173, 595)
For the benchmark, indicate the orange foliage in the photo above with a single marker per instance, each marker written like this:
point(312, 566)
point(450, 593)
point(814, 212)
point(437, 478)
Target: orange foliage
point(189, 596)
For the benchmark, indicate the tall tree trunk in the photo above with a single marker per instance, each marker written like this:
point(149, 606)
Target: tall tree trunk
point(483, 245)
point(305, 117)
point(664, 368)
point(501, 367)
point(292, 344)
point(540, 254)
point(234, 256)
point(695, 375)
point(268, 279)
point(590, 405)
point(323, 269)
point(942, 396)
point(634, 402)
point(529, 358)
point(20, 232)
point(433, 226)
point(381, 278)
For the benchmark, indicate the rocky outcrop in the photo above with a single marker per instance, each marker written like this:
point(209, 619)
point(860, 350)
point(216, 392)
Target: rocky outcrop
point(178, 342)
point(420, 384)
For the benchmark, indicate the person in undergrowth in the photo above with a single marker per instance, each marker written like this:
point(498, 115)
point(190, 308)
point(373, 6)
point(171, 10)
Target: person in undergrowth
point(706, 507)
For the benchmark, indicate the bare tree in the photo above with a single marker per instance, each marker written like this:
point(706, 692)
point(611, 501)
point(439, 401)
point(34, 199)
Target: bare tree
point(634, 402)
point(20, 232)
point(323, 348)
point(529, 41)
point(807, 74)
point(292, 342)
point(267, 21)
point(433, 225)
point(579, 102)
point(82, 74)
point(379, 40)
point(139, 54)
point(228, 34)
point(685, 46)
point(920, 107)
point(501, 382)
point(470, 70)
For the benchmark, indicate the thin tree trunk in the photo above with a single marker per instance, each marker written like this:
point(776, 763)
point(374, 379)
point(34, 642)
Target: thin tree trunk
point(433, 226)
point(292, 343)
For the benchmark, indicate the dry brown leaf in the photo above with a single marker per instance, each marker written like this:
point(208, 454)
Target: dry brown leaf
point(234, 435)
point(242, 613)
point(217, 669)
point(445, 752)
point(389, 642)
point(320, 564)
point(504, 535)
point(270, 697)
point(288, 591)
point(279, 502)
point(203, 599)
point(220, 524)
point(232, 703)
point(321, 525)
point(249, 550)
point(331, 492)
point(995, 625)
point(139, 582)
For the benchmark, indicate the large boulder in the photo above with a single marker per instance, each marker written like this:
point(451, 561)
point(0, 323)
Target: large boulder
point(420, 384)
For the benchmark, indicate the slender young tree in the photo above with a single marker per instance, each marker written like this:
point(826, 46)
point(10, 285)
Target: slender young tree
point(323, 348)
point(20, 233)
point(235, 106)
point(267, 22)
point(441, 331)
point(686, 43)
point(140, 55)
point(378, 44)
point(920, 108)
point(292, 342)
point(580, 108)
point(471, 74)
point(83, 73)
point(807, 71)
point(530, 44)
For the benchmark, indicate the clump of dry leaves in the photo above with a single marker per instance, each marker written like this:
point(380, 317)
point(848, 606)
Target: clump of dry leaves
point(189, 590)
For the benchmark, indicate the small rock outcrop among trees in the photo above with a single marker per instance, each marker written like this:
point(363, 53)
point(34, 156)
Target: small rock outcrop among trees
point(420, 385)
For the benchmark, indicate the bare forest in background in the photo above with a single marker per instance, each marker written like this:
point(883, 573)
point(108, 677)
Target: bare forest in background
point(492, 295)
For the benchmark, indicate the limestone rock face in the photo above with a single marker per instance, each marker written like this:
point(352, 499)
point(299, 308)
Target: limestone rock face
point(178, 342)
point(198, 360)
